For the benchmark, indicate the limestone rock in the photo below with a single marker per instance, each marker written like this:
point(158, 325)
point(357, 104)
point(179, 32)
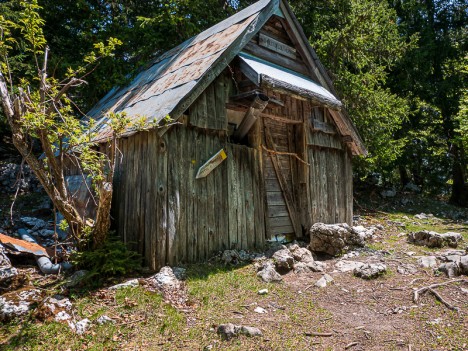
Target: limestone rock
point(229, 330)
point(268, 273)
point(8, 274)
point(52, 306)
point(18, 303)
point(324, 281)
point(131, 283)
point(370, 270)
point(434, 239)
point(283, 260)
point(301, 254)
point(230, 257)
point(347, 266)
point(407, 269)
point(34, 223)
point(165, 279)
point(333, 239)
point(82, 326)
point(451, 269)
point(464, 264)
point(104, 320)
point(250, 331)
point(427, 261)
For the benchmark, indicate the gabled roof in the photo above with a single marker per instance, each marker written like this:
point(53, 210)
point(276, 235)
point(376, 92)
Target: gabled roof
point(172, 82)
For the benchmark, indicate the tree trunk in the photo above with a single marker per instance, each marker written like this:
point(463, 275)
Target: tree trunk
point(459, 187)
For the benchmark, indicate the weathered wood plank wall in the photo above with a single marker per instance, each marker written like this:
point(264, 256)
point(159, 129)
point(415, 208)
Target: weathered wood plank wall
point(162, 211)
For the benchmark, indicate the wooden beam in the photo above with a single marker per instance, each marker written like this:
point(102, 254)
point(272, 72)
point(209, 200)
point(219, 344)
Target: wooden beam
point(280, 119)
point(284, 185)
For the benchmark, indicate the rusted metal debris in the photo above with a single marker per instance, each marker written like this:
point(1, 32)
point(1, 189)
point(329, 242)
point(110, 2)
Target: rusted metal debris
point(22, 246)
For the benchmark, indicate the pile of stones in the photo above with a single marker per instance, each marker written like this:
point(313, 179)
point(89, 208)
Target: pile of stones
point(10, 180)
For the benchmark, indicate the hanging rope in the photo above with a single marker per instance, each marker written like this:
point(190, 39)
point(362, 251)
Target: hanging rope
point(286, 154)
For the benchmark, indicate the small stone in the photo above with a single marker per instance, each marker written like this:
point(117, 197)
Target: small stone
point(131, 283)
point(324, 281)
point(380, 227)
point(388, 193)
point(260, 310)
point(104, 320)
point(82, 326)
point(407, 269)
point(62, 316)
point(268, 274)
point(316, 266)
point(421, 216)
point(263, 292)
point(34, 223)
point(227, 331)
point(250, 331)
point(370, 270)
point(180, 273)
point(427, 261)
point(46, 233)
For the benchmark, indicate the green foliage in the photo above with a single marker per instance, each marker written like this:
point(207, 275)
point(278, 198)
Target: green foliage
point(359, 43)
point(431, 75)
point(111, 260)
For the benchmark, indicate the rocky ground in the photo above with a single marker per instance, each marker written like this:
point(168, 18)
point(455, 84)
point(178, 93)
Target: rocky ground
point(396, 280)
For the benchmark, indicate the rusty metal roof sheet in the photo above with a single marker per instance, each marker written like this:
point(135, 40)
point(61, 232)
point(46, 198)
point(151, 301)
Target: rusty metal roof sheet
point(158, 89)
point(22, 246)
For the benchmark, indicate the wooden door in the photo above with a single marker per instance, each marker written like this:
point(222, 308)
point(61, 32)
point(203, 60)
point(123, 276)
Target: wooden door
point(279, 178)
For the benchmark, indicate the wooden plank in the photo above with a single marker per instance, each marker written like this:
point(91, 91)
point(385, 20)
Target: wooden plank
point(220, 103)
point(249, 198)
point(200, 209)
point(128, 193)
point(277, 211)
point(173, 197)
point(149, 196)
point(281, 230)
point(284, 186)
point(144, 174)
point(241, 217)
point(210, 95)
point(211, 210)
point(276, 46)
point(280, 221)
point(279, 119)
point(121, 189)
point(182, 166)
point(225, 204)
point(161, 202)
point(273, 57)
point(233, 197)
point(191, 213)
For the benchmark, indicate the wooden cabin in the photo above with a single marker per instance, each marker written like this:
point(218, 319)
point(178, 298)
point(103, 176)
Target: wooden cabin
point(259, 146)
